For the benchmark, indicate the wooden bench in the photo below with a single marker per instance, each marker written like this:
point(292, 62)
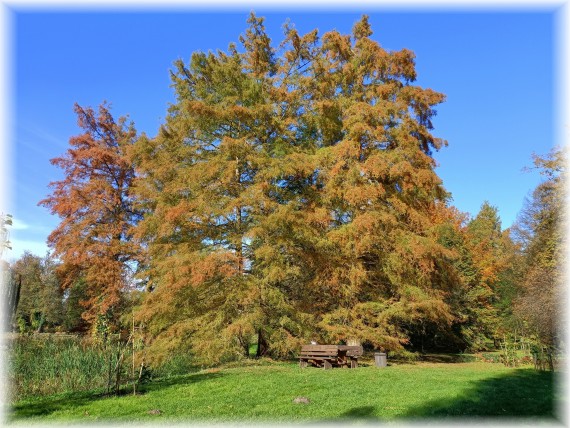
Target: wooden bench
point(328, 356)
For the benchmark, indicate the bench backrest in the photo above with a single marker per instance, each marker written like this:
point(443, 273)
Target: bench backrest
point(319, 350)
point(330, 350)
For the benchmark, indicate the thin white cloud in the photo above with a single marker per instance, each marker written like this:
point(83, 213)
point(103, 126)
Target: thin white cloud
point(36, 138)
point(18, 225)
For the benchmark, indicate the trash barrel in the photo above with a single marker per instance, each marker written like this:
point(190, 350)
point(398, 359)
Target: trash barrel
point(380, 359)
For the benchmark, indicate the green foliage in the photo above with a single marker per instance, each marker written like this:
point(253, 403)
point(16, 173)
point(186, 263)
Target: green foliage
point(40, 298)
point(508, 355)
point(491, 357)
point(51, 363)
point(75, 294)
point(484, 278)
point(402, 355)
point(22, 325)
point(176, 365)
point(540, 231)
point(42, 366)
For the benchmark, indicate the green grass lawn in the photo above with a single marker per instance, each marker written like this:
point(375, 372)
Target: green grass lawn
point(266, 392)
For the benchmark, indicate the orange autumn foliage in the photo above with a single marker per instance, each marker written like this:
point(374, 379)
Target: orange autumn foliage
point(290, 194)
point(93, 240)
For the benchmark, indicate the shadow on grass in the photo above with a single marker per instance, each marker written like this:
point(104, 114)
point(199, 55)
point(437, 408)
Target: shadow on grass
point(522, 393)
point(44, 406)
point(364, 412)
point(159, 384)
point(446, 358)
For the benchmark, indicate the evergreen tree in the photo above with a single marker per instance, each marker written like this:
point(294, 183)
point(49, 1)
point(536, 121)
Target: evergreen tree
point(28, 270)
point(484, 240)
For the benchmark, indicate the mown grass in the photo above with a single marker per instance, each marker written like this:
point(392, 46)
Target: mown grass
point(265, 393)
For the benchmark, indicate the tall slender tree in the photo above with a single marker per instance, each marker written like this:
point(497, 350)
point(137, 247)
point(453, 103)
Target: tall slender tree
point(94, 202)
point(8, 287)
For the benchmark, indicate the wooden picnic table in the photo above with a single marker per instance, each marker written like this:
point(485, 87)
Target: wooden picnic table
point(328, 356)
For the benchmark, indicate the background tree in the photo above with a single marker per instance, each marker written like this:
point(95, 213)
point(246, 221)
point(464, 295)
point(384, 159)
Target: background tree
point(28, 270)
point(93, 240)
point(40, 303)
point(9, 287)
point(484, 279)
point(540, 231)
point(5, 221)
point(485, 242)
point(51, 296)
point(73, 308)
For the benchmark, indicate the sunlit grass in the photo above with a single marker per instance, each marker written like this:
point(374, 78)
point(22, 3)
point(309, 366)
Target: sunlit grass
point(266, 393)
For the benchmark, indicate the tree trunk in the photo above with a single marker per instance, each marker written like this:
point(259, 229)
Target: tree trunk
point(244, 343)
point(120, 356)
point(41, 323)
point(13, 301)
point(550, 360)
point(239, 244)
point(261, 344)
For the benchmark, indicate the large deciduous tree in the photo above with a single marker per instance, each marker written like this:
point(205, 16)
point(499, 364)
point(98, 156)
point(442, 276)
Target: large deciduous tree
point(291, 194)
point(540, 230)
point(41, 297)
point(94, 202)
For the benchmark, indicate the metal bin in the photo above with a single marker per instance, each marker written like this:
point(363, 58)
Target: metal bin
point(380, 359)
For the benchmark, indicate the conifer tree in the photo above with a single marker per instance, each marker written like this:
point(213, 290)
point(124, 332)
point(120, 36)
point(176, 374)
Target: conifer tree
point(483, 278)
point(379, 188)
point(485, 241)
point(291, 194)
point(225, 137)
point(93, 240)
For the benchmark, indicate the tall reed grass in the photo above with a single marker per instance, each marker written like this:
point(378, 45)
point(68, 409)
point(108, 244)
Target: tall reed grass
point(42, 365)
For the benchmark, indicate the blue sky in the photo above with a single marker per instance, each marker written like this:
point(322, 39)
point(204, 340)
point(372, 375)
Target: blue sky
point(497, 69)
